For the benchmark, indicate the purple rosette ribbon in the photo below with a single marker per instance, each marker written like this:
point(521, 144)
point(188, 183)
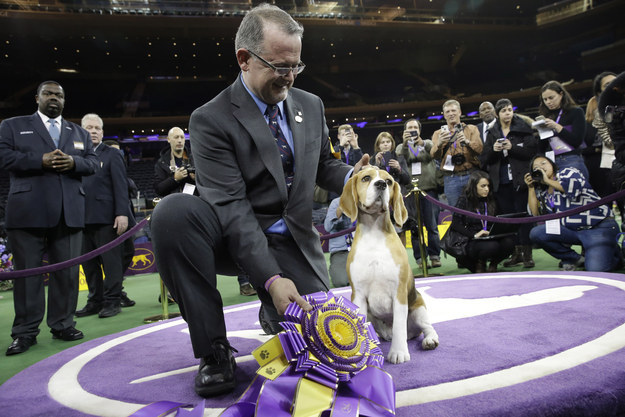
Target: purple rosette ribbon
point(326, 362)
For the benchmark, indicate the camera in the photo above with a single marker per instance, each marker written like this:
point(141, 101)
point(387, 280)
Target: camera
point(414, 133)
point(190, 169)
point(458, 159)
point(537, 175)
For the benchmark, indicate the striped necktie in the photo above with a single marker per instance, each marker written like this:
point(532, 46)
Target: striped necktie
point(286, 154)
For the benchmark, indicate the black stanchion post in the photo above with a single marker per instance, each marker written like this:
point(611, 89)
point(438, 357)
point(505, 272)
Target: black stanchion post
point(417, 198)
point(164, 299)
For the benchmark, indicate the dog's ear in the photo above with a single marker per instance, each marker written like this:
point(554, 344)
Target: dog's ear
point(399, 208)
point(349, 198)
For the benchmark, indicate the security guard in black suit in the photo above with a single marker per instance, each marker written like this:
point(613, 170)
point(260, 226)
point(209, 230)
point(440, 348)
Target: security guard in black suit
point(107, 215)
point(47, 158)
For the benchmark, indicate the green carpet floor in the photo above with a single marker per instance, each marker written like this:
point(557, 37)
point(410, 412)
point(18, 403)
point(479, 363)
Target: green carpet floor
point(144, 289)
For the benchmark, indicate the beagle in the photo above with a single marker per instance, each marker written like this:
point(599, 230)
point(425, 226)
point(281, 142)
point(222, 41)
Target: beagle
point(377, 265)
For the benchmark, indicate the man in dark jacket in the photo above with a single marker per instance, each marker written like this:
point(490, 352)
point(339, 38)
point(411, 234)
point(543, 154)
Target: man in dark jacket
point(174, 170)
point(107, 215)
point(46, 156)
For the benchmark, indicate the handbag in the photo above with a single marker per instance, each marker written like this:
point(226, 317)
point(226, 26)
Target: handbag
point(454, 243)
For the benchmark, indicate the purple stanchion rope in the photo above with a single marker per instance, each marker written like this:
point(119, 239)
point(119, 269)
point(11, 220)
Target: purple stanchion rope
point(71, 262)
point(530, 219)
point(138, 226)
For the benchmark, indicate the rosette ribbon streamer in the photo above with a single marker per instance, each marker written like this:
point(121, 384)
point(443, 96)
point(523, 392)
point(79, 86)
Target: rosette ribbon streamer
point(326, 362)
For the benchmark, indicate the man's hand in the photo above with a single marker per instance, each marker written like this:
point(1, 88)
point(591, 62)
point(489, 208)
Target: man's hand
point(121, 224)
point(180, 174)
point(283, 293)
point(57, 161)
point(364, 161)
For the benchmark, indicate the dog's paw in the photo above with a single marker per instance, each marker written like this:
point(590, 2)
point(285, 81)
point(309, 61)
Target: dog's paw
point(430, 342)
point(398, 355)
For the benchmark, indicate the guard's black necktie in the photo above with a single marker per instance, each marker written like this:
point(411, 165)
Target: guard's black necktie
point(283, 146)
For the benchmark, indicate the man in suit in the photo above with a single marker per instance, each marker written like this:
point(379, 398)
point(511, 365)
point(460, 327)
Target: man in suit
point(46, 156)
point(488, 116)
point(107, 215)
point(255, 182)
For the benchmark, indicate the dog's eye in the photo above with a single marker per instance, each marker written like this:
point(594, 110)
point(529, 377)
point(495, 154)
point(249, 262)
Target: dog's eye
point(389, 182)
point(366, 178)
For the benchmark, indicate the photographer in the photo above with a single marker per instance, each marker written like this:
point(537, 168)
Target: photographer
point(457, 147)
point(509, 146)
point(174, 169)
point(553, 191)
point(386, 158)
point(416, 152)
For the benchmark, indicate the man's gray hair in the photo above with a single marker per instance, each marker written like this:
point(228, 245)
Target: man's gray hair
point(451, 102)
point(91, 116)
point(250, 33)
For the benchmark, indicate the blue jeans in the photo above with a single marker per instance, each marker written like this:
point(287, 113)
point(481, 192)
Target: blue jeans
point(454, 185)
point(429, 213)
point(599, 243)
point(573, 161)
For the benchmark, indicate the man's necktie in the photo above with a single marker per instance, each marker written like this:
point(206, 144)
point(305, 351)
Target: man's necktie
point(54, 132)
point(283, 146)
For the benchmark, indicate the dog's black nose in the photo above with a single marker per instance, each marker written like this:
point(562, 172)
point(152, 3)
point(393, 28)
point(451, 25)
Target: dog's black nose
point(380, 185)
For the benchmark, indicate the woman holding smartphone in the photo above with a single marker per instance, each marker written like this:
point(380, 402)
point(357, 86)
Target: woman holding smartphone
point(567, 121)
point(509, 147)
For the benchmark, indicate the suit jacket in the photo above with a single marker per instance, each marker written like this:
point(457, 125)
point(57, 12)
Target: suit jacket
point(239, 172)
point(106, 192)
point(37, 197)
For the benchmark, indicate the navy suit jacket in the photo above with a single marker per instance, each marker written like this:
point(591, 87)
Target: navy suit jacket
point(107, 191)
point(37, 197)
point(239, 172)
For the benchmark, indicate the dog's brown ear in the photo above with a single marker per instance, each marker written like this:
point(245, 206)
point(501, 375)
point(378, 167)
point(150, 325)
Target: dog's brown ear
point(349, 199)
point(399, 208)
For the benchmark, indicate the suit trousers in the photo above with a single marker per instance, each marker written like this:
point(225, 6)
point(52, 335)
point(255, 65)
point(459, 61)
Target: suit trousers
point(103, 290)
point(190, 251)
point(28, 246)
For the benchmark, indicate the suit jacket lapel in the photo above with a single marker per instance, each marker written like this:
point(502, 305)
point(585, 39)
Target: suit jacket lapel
point(247, 112)
point(296, 119)
point(41, 129)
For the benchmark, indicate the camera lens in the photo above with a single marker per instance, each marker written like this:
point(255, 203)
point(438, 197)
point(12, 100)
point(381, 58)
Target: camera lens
point(537, 175)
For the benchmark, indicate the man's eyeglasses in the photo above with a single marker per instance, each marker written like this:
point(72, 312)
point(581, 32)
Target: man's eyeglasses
point(281, 71)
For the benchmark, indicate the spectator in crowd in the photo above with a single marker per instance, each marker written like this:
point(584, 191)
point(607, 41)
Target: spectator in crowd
point(387, 159)
point(259, 147)
point(612, 112)
point(174, 169)
point(339, 246)
point(599, 154)
point(46, 157)
point(457, 146)
point(422, 167)
point(478, 197)
point(488, 115)
point(553, 190)
point(107, 215)
point(348, 145)
point(565, 119)
point(509, 147)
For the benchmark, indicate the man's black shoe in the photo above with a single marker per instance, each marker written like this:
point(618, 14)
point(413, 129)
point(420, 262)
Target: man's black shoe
point(21, 345)
point(267, 325)
point(125, 301)
point(216, 373)
point(69, 334)
point(110, 310)
point(88, 310)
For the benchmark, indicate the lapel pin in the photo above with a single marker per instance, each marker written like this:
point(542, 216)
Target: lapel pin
point(298, 119)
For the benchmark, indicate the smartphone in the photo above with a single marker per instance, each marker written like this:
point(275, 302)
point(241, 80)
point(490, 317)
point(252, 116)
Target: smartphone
point(445, 128)
point(501, 140)
point(414, 133)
